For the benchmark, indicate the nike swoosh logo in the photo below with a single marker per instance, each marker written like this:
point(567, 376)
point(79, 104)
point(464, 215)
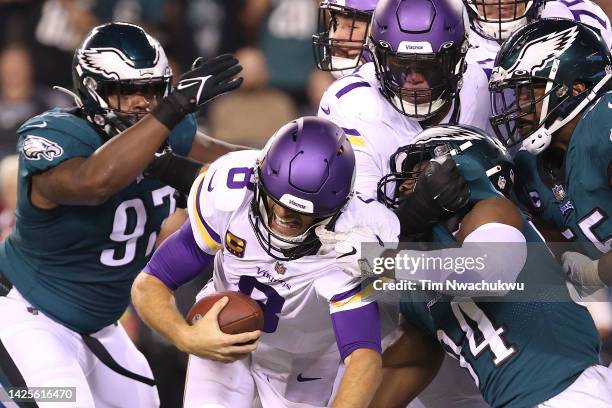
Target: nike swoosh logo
point(326, 110)
point(210, 187)
point(353, 252)
point(38, 125)
point(304, 379)
point(183, 85)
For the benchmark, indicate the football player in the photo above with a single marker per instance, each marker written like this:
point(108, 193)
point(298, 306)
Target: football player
point(493, 21)
point(87, 220)
point(415, 81)
point(340, 44)
point(534, 347)
point(255, 214)
point(551, 93)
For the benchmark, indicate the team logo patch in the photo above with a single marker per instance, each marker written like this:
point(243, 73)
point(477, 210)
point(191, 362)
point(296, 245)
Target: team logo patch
point(566, 207)
point(280, 268)
point(234, 244)
point(559, 192)
point(36, 147)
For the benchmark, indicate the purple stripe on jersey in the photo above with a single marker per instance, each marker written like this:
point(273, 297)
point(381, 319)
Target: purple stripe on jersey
point(485, 61)
point(350, 87)
point(578, 13)
point(351, 132)
point(345, 295)
point(357, 328)
point(570, 3)
point(179, 259)
point(210, 231)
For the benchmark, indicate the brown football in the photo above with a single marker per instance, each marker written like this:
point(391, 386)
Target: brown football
point(241, 314)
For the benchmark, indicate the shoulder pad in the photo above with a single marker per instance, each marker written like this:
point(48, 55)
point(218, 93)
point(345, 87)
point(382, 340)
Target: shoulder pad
point(218, 192)
point(346, 98)
point(65, 122)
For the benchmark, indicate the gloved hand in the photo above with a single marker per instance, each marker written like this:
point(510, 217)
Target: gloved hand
point(205, 81)
point(348, 248)
point(582, 271)
point(440, 191)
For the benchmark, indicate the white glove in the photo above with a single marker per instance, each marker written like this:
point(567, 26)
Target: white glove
point(347, 246)
point(582, 271)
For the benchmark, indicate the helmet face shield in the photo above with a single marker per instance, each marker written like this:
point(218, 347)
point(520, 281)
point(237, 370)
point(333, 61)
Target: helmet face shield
point(419, 84)
point(521, 106)
point(339, 45)
point(119, 94)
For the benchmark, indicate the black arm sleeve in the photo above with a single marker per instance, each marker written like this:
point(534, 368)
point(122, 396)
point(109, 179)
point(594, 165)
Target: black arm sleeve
point(176, 171)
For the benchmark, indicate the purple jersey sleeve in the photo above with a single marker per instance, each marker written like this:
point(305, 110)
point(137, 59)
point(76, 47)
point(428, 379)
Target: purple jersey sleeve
point(356, 328)
point(179, 259)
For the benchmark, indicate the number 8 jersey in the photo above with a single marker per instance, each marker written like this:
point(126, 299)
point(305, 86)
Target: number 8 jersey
point(77, 263)
point(297, 296)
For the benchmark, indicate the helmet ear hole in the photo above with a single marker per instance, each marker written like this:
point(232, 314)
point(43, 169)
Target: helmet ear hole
point(340, 151)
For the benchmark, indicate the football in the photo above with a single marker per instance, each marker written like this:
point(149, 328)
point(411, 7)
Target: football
point(241, 314)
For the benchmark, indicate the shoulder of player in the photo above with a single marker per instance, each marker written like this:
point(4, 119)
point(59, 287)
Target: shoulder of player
point(595, 126)
point(366, 211)
point(225, 185)
point(61, 122)
point(475, 77)
point(352, 97)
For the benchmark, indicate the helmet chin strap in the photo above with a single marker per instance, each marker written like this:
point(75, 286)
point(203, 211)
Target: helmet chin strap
point(541, 138)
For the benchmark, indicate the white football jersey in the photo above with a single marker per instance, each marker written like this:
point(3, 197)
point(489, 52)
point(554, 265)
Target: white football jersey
point(376, 130)
point(483, 51)
point(296, 295)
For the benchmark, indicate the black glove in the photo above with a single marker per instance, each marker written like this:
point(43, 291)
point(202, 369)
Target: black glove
point(205, 81)
point(440, 192)
point(176, 171)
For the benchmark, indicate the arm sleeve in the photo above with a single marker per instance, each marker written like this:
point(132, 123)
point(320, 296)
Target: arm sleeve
point(182, 136)
point(356, 321)
point(179, 259)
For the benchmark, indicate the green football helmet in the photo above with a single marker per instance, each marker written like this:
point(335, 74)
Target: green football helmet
point(482, 161)
point(540, 63)
point(118, 59)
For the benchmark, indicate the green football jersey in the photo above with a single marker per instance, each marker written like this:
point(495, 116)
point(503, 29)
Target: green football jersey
point(521, 349)
point(77, 263)
point(579, 202)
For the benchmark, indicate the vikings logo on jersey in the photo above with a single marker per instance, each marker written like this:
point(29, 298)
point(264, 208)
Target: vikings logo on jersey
point(36, 147)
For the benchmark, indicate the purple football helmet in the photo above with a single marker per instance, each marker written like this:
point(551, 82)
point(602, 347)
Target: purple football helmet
point(339, 45)
point(497, 19)
point(308, 166)
point(419, 48)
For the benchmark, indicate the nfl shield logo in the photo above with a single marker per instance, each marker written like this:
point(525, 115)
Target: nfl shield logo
point(501, 182)
point(558, 192)
point(279, 268)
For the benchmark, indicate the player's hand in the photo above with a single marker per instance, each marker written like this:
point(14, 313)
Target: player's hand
point(440, 191)
point(206, 80)
point(205, 339)
point(348, 248)
point(582, 271)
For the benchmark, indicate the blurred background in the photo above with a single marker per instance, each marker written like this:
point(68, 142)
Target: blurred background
point(272, 40)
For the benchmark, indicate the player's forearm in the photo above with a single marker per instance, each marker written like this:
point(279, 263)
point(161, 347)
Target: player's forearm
point(205, 149)
point(361, 379)
point(118, 162)
point(156, 306)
